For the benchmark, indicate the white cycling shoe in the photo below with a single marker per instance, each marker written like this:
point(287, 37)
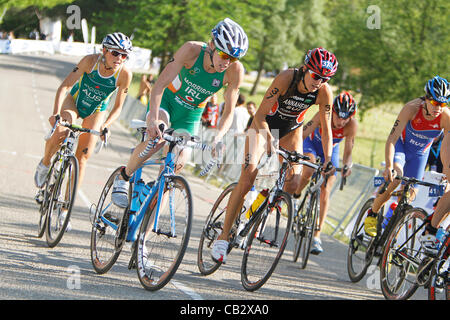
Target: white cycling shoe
point(219, 251)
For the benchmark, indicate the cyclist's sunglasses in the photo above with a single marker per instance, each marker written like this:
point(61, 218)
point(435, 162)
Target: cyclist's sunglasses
point(437, 103)
point(226, 56)
point(116, 53)
point(316, 77)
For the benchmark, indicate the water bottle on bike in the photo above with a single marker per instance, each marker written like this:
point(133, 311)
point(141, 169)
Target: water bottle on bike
point(389, 213)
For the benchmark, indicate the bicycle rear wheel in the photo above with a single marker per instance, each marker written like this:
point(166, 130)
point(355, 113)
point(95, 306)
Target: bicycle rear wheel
point(358, 256)
point(61, 201)
point(211, 230)
point(309, 213)
point(403, 257)
point(160, 251)
point(109, 228)
point(266, 242)
point(439, 288)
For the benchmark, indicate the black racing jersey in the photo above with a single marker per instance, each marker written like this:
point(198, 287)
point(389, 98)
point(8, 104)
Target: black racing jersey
point(288, 112)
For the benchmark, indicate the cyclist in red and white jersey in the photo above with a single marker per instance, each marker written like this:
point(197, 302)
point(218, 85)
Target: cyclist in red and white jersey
point(344, 126)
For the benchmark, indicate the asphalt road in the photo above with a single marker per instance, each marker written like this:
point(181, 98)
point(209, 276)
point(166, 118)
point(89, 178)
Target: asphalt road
point(31, 270)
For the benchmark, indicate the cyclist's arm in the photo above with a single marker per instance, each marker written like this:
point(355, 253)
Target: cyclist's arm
point(123, 83)
point(406, 114)
point(350, 134)
point(311, 125)
point(443, 205)
point(325, 101)
point(184, 55)
point(234, 77)
point(84, 65)
point(278, 87)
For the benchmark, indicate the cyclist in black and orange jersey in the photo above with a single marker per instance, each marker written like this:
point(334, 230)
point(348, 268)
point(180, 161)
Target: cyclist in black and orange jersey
point(89, 88)
point(280, 116)
point(344, 126)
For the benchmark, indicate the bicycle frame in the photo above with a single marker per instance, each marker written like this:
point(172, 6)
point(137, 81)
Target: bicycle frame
point(158, 187)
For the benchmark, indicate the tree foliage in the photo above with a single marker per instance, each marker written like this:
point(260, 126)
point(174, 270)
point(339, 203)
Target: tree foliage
point(387, 63)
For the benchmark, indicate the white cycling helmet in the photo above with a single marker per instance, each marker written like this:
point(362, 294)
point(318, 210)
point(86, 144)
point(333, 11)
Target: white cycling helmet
point(117, 40)
point(230, 38)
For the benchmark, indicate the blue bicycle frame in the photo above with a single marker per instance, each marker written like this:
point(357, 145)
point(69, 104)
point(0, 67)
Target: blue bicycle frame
point(136, 217)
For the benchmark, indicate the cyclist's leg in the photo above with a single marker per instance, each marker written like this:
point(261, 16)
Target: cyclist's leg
point(87, 141)
point(254, 149)
point(135, 161)
point(69, 114)
point(381, 199)
point(370, 223)
point(325, 192)
point(310, 150)
point(293, 141)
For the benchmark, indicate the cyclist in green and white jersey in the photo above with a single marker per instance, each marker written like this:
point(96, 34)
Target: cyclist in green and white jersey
point(192, 76)
point(89, 86)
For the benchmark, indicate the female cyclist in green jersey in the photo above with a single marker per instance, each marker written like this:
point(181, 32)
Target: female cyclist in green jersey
point(89, 87)
point(192, 76)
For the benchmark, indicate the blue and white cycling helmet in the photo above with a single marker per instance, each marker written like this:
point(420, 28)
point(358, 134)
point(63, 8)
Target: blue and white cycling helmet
point(119, 41)
point(230, 38)
point(438, 89)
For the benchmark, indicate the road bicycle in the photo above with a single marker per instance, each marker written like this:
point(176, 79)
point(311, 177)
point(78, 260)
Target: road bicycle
point(363, 248)
point(404, 264)
point(57, 196)
point(305, 220)
point(263, 237)
point(439, 283)
point(157, 220)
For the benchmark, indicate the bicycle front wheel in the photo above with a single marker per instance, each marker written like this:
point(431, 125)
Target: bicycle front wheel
point(439, 288)
point(61, 201)
point(46, 196)
point(161, 250)
point(266, 242)
point(403, 257)
point(211, 230)
point(309, 218)
point(109, 226)
point(359, 257)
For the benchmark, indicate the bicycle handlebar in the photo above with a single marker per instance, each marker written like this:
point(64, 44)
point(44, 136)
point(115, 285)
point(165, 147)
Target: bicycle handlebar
point(78, 128)
point(408, 181)
point(181, 140)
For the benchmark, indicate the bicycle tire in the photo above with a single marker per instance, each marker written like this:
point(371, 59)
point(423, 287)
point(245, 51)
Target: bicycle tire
point(55, 230)
point(297, 229)
point(310, 225)
point(257, 266)
point(398, 273)
point(106, 241)
point(211, 230)
point(439, 287)
point(357, 239)
point(43, 208)
point(157, 266)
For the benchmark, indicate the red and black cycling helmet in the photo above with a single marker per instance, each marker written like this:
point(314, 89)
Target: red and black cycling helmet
point(344, 105)
point(322, 62)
